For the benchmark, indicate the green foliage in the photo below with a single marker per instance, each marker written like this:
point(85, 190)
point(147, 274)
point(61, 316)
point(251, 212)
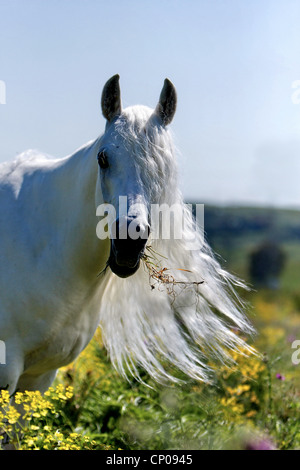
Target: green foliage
point(92, 407)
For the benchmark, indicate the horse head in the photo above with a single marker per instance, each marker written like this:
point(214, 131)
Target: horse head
point(128, 170)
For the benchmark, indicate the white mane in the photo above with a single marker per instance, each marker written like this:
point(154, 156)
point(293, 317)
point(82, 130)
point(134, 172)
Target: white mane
point(146, 325)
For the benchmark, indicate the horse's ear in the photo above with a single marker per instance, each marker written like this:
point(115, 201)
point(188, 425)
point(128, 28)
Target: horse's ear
point(111, 98)
point(167, 102)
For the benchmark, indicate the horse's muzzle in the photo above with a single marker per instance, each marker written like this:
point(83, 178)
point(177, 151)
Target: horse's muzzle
point(125, 254)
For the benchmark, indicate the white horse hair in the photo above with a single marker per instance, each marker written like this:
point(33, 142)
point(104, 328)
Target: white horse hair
point(59, 281)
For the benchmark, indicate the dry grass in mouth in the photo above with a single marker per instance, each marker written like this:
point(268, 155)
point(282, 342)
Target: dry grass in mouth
point(159, 276)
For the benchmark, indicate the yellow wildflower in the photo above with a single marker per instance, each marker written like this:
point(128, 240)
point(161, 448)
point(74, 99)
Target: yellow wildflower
point(4, 398)
point(12, 415)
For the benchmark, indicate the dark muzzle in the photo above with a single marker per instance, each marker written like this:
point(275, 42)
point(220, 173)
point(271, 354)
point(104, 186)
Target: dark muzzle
point(127, 247)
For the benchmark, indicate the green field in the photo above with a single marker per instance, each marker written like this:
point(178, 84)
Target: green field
point(254, 405)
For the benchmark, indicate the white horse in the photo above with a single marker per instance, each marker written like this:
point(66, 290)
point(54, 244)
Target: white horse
point(59, 280)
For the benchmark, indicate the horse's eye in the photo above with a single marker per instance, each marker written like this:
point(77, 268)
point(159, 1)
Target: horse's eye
point(102, 160)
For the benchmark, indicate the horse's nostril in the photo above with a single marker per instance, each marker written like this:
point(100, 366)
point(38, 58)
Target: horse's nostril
point(143, 232)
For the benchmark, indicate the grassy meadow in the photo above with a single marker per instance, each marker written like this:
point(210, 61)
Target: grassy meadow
point(255, 404)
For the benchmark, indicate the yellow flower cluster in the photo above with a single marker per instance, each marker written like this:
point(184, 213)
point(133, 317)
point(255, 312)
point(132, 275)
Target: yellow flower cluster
point(240, 399)
point(59, 392)
point(28, 420)
point(50, 439)
point(249, 367)
point(8, 414)
point(238, 390)
point(4, 397)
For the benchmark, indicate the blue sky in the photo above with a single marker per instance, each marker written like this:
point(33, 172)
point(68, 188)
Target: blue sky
point(233, 63)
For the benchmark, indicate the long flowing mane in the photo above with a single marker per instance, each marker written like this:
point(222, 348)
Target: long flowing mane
point(183, 315)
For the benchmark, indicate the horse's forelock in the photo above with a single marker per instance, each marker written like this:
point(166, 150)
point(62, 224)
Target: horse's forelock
point(151, 146)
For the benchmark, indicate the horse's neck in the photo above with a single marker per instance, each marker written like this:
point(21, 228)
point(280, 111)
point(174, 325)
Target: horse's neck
point(68, 195)
point(81, 171)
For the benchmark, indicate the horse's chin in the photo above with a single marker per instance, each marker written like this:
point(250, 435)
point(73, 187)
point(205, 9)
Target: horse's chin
point(122, 271)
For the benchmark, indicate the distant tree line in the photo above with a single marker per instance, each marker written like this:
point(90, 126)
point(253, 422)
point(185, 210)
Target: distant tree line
point(241, 221)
